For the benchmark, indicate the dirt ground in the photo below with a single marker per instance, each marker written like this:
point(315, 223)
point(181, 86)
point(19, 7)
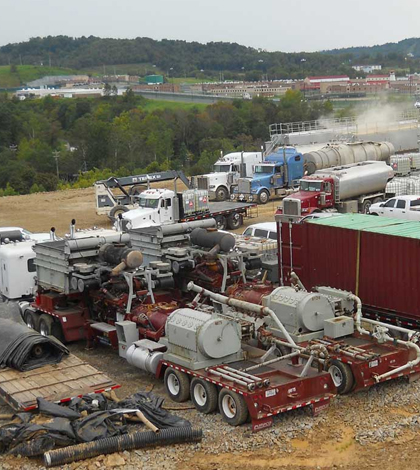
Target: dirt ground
point(39, 212)
point(379, 428)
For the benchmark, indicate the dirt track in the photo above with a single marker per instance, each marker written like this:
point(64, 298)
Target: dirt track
point(39, 212)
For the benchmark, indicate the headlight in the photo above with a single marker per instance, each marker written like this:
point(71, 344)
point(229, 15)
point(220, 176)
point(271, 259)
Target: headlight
point(304, 209)
point(253, 191)
point(212, 186)
point(251, 198)
point(241, 196)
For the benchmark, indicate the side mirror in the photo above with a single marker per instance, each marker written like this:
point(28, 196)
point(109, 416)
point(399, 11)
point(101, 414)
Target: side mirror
point(381, 205)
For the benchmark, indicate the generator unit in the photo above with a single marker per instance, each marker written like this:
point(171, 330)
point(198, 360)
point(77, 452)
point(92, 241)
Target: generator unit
point(310, 315)
point(197, 339)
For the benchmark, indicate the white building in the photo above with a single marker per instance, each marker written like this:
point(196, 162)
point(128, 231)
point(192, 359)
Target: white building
point(367, 68)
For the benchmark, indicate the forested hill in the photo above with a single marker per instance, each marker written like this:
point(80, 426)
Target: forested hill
point(184, 58)
point(406, 47)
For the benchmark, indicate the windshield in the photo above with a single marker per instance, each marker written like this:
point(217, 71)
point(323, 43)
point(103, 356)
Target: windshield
point(221, 168)
point(310, 185)
point(153, 203)
point(263, 169)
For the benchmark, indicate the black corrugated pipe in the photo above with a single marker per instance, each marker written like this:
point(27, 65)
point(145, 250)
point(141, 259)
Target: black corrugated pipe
point(109, 445)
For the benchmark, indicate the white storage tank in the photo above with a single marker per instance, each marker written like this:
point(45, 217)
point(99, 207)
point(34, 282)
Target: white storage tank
point(344, 154)
point(360, 178)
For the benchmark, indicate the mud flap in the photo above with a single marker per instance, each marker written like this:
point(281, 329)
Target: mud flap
point(260, 424)
point(320, 406)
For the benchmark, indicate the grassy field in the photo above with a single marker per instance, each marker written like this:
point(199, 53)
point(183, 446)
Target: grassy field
point(152, 105)
point(27, 73)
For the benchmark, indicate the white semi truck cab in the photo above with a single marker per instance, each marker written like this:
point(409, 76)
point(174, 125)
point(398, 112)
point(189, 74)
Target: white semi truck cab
point(164, 206)
point(227, 171)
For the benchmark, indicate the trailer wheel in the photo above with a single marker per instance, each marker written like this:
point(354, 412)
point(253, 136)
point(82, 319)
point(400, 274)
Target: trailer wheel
point(49, 327)
point(221, 222)
point(31, 319)
point(232, 407)
point(45, 325)
point(263, 197)
point(115, 211)
point(234, 221)
point(342, 376)
point(177, 385)
point(222, 194)
point(366, 206)
point(203, 395)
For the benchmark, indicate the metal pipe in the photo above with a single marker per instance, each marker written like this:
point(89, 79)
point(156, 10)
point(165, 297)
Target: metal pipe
point(241, 377)
point(291, 246)
point(280, 247)
point(241, 304)
point(272, 361)
point(295, 277)
point(232, 379)
point(110, 445)
point(243, 372)
point(409, 344)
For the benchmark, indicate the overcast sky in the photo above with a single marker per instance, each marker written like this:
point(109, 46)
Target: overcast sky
point(275, 25)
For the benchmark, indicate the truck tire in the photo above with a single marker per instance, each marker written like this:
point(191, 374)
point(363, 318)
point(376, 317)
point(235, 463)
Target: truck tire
point(31, 319)
point(221, 222)
point(263, 197)
point(203, 395)
point(342, 376)
point(234, 221)
point(366, 206)
point(222, 193)
point(232, 407)
point(177, 385)
point(49, 327)
point(115, 211)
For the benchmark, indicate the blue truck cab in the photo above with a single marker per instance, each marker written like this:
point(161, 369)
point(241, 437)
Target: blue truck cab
point(276, 177)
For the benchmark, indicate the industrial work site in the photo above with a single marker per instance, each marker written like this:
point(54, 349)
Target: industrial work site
point(262, 315)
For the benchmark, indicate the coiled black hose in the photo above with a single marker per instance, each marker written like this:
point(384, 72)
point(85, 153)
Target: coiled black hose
point(109, 445)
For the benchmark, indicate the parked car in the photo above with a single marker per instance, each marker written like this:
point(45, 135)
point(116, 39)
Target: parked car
point(401, 207)
point(263, 230)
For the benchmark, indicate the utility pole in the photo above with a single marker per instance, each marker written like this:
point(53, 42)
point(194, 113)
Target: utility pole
point(56, 156)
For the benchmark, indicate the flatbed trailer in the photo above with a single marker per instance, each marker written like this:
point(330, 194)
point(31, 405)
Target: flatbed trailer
point(227, 214)
point(277, 388)
point(58, 383)
point(360, 361)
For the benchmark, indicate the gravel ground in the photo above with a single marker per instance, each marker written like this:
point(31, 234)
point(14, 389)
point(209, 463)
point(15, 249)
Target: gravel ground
point(373, 428)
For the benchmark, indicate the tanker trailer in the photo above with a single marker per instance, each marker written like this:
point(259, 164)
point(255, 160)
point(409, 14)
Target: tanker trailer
point(344, 154)
point(348, 188)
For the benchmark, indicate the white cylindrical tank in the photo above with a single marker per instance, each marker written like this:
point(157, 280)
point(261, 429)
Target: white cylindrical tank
point(344, 154)
point(143, 358)
point(358, 179)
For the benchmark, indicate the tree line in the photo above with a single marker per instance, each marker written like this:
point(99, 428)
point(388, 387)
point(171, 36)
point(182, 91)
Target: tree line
point(93, 138)
point(211, 60)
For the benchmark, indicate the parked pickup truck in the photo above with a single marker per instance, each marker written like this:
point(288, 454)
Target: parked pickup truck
point(401, 207)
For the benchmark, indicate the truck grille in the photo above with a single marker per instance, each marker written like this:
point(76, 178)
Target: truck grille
point(202, 182)
point(291, 207)
point(244, 186)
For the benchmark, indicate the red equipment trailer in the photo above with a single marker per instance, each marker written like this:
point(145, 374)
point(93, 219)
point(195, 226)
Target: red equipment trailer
point(377, 258)
point(273, 389)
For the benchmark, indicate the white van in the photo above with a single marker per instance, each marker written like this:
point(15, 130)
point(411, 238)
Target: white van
point(262, 230)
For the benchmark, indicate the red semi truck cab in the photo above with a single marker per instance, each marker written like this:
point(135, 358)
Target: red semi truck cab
point(315, 194)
